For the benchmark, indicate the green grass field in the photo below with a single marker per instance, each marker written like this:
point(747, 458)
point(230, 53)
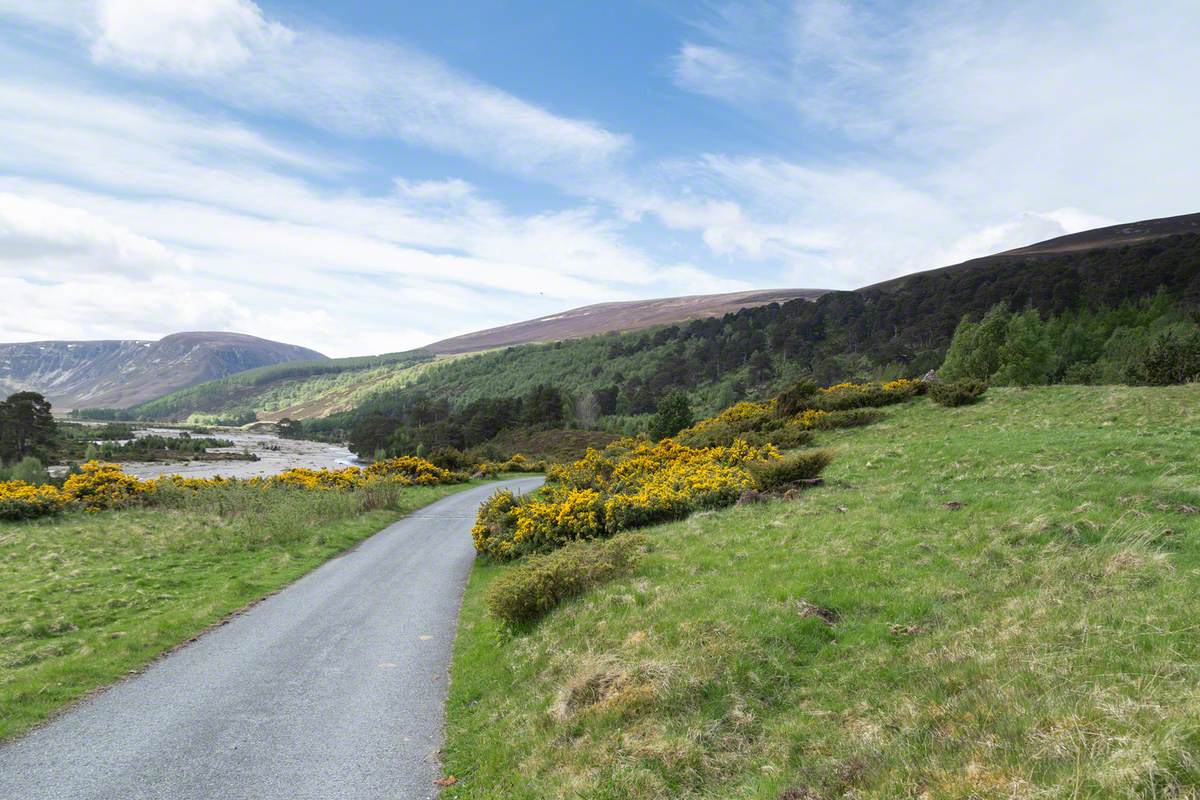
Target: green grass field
point(87, 598)
point(993, 601)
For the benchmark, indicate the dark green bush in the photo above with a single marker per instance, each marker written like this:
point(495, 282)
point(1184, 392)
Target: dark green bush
point(796, 398)
point(539, 583)
point(788, 437)
point(804, 465)
point(957, 393)
point(850, 418)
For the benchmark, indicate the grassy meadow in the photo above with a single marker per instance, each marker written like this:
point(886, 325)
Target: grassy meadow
point(85, 598)
point(992, 601)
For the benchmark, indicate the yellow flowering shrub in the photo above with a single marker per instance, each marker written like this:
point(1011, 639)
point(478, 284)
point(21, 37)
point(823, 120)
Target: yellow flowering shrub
point(411, 470)
point(519, 463)
point(319, 480)
point(740, 421)
point(194, 484)
point(844, 396)
point(631, 483)
point(21, 500)
point(811, 418)
point(101, 486)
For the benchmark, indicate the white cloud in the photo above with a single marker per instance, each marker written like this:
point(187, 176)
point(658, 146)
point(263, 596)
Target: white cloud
point(330, 268)
point(38, 236)
point(718, 73)
point(195, 38)
point(959, 128)
point(352, 86)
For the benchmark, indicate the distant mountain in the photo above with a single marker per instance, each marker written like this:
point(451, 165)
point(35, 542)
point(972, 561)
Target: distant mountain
point(121, 373)
point(631, 315)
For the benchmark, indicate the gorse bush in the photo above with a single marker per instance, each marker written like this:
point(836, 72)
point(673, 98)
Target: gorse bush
point(797, 397)
point(845, 396)
point(541, 582)
point(800, 466)
point(100, 486)
point(786, 420)
point(832, 420)
point(21, 500)
point(956, 393)
point(629, 484)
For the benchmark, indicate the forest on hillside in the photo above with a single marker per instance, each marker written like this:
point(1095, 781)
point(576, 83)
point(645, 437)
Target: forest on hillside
point(1095, 316)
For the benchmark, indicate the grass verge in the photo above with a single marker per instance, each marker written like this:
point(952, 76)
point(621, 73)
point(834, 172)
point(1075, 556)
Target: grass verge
point(990, 601)
point(88, 598)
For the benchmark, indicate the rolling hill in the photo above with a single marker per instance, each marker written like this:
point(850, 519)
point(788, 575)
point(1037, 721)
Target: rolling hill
point(633, 315)
point(121, 373)
point(1111, 237)
point(902, 326)
point(297, 390)
point(304, 391)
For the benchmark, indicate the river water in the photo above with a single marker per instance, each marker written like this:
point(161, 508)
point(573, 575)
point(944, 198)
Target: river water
point(274, 456)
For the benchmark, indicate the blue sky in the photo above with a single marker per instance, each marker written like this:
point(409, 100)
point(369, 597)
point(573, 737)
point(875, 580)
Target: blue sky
point(368, 177)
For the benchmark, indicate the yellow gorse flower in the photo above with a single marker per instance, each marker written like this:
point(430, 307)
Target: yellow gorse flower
point(630, 483)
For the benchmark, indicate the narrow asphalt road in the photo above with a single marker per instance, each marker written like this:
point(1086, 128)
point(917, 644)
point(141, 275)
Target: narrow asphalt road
point(332, 689)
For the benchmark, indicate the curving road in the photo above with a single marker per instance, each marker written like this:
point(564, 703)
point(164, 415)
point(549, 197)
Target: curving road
point(333, 689)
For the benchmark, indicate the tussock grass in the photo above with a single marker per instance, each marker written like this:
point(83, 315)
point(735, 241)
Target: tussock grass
point(87, 597)
point(990, 601)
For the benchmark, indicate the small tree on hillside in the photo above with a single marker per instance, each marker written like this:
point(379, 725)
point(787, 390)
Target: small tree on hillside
point(673, 415)
point(1027, 358)
point(975, 349)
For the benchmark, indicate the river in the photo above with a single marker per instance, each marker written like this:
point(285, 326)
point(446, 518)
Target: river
point(274, 455)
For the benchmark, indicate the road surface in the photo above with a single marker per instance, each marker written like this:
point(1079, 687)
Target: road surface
point(332, 689)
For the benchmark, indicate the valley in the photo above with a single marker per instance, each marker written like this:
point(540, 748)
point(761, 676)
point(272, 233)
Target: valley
point(922, 539)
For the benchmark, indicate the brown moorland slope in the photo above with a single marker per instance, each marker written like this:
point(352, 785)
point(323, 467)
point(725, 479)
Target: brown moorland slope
point(631, 315)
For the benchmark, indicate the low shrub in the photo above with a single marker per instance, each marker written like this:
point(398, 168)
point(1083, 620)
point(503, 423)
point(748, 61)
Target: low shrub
point(956, 393)
point(631, 484)
point(785, 437)
point(30, 470)
point(832, 420)
point(740, 421)
point(100, 486)
point(411, 470)
point(540, 583)
point(21, 500)
point(844, 396)
point(796, 397)
point(800, 466)
point(519, 463)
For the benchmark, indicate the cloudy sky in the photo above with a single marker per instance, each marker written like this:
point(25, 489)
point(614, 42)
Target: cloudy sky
point(371, 176)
